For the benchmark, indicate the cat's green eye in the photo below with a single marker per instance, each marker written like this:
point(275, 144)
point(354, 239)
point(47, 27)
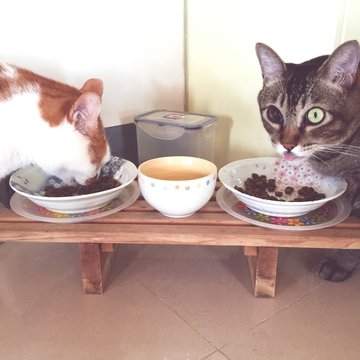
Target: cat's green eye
point(274, 115)
point(315, 116)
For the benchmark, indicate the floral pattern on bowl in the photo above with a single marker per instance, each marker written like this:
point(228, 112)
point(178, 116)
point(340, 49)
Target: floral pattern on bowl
point(19, 181)
point(31, 181)
point(329, 214)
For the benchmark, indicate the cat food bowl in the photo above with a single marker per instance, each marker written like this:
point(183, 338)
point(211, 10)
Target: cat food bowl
point(177, 186)
point(276, 187)
point(32, 182)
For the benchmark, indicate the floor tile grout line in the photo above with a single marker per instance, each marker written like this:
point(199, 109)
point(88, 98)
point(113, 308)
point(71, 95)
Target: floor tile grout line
point(217, 351)
point(177, 314)
point(324, 284)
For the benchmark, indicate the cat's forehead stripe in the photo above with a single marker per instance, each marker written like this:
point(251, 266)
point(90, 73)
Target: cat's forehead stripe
point(282, 99)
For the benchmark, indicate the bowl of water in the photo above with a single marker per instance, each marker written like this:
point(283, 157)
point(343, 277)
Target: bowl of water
point(177, 186)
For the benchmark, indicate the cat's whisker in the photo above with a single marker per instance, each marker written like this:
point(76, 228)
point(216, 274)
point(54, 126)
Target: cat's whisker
point(319, 158)
point(347, 147)
point(341, 149)
point(340, 152)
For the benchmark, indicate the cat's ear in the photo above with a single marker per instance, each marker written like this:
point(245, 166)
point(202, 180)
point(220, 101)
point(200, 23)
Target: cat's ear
point(85, 112)
point(272, 67)
point(93, 85)
point(341, 67)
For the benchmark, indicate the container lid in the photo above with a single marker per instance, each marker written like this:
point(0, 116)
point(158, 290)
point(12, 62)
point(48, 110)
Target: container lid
point(185, 120)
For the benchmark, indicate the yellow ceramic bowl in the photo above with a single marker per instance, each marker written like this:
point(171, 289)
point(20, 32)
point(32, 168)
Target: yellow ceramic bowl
point(177, 186)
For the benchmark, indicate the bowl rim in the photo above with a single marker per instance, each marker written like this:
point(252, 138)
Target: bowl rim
point(237, 193)
point(133, 169)
point(214, 170)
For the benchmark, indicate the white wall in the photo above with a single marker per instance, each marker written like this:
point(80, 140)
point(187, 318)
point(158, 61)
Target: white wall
point(135, 46)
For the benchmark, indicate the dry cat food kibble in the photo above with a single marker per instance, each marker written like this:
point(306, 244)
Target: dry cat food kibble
point(264, 188)
point(100, 184)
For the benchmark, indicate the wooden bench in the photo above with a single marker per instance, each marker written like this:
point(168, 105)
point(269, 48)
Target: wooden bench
point(141, 224)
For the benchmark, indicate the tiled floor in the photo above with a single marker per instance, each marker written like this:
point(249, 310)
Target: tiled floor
point(171, 302)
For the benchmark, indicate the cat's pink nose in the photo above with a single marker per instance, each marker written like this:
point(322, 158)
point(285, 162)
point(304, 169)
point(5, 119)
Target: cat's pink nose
point(289, 147)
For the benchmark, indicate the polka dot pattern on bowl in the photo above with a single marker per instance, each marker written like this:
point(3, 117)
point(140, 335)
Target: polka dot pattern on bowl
point(299, 173)
point(179, 185)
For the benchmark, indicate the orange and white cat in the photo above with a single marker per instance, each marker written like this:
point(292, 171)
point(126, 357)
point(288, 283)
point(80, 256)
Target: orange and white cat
point(51, 124)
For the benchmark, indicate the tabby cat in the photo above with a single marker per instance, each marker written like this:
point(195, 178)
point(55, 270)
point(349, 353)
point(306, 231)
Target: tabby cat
point(312, 111)
point(51, 124)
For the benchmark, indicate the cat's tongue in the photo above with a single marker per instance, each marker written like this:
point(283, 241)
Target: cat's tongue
point(289, 156)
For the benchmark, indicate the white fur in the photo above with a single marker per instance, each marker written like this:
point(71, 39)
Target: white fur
point(8, 71)
point(296, 153)
point(26, 138)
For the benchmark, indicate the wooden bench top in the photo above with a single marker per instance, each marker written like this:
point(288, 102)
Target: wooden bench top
point(141, 224)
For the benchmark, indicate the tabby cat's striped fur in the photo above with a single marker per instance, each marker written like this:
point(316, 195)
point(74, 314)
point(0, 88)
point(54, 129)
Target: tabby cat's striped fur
point(312, 111)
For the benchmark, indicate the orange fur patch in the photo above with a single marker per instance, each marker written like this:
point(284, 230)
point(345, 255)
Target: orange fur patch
point(98, 144)
point(56, 100)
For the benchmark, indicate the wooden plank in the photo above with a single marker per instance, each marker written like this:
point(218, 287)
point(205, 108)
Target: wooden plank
point(95, 267)
point(107, 259)
point(140, 206)
point(252, 260)
point(182, 234)
point(90, 257)
point(250, 250)
point(265, 280)
point(107, 247)
point(263, 269)
point(138, 217)
point(200, 218)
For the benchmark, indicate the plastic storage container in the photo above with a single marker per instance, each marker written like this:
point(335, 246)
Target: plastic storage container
point(169, 133)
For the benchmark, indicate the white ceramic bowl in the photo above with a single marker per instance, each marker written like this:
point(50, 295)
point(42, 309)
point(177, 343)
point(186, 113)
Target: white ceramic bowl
point(286, 173)
point(31, 182)
point(177, 186)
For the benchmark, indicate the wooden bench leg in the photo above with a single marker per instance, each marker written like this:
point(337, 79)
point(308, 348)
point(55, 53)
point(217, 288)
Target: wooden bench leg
point(96, 261)
point(263, 265)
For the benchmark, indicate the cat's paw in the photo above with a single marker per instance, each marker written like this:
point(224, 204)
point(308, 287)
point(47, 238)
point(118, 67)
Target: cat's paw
point(330, 269)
